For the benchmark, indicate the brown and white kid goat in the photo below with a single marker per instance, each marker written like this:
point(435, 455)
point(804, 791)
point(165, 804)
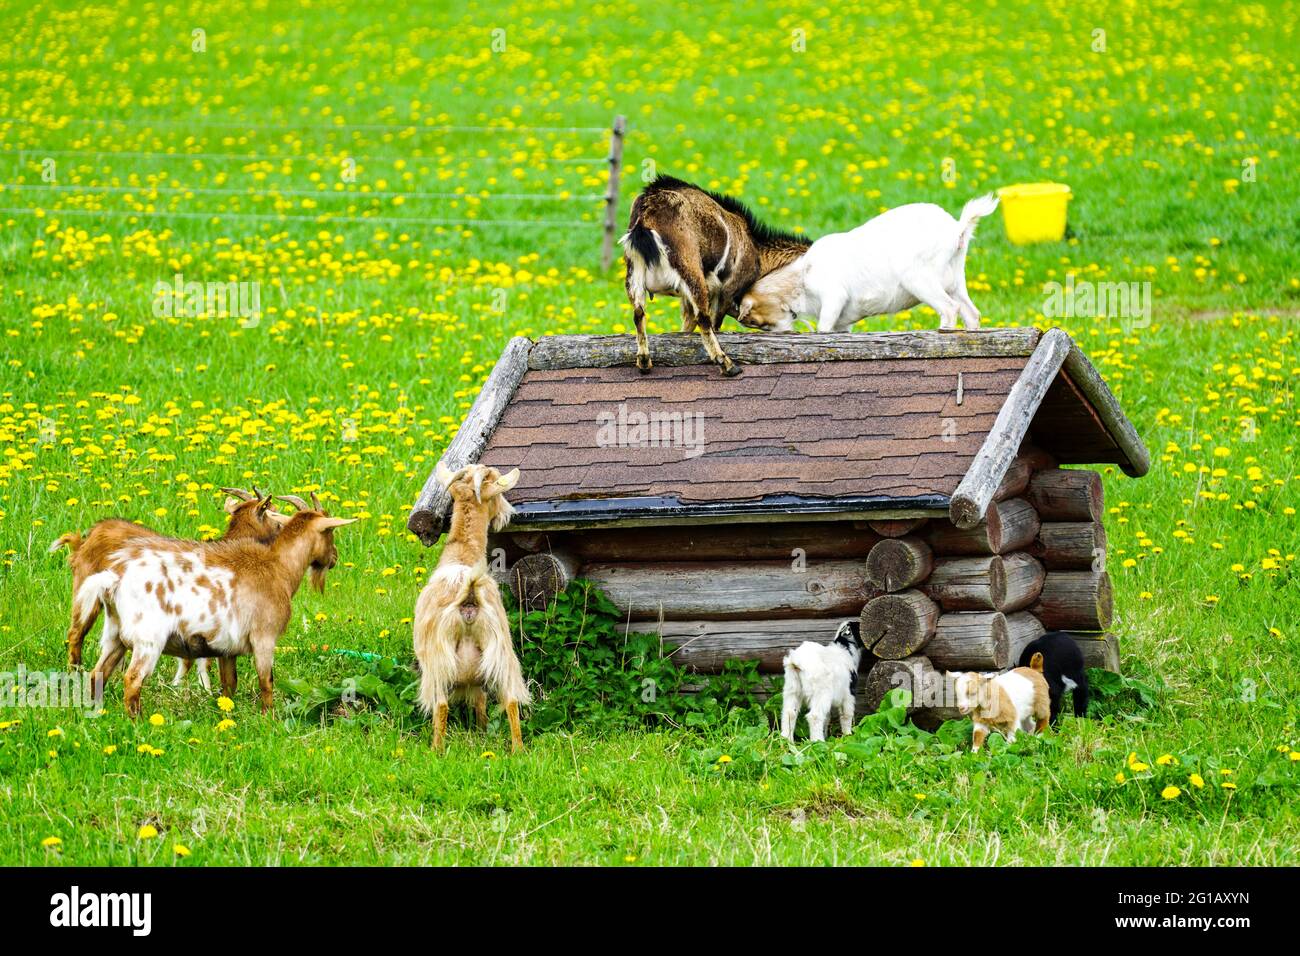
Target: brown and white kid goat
point(703, 247)
point(217, 599)
point(251, 518)
point(462, 635)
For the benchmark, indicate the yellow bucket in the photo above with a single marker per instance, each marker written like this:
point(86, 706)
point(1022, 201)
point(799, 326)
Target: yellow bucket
point(1034, 212)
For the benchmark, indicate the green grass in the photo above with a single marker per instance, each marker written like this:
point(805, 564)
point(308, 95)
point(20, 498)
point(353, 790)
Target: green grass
point(377, 337)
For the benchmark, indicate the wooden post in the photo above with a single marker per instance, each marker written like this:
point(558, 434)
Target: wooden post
point(615, 161)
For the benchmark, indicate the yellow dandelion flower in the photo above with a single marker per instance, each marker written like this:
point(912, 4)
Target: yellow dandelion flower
point(146, 832)
point(917, 862)
point(1228, 785)
point(1165, 760)
point(724, 759)
point(52, 842)
point(157, 720)
point(224, 725)
point(1196, 780)
point(630, 858)
point(56, 732)
point(110, 750)
point(225, 704)
point(1170, 793)
point(1119, 777)
point(487, 755)
point(180, 849)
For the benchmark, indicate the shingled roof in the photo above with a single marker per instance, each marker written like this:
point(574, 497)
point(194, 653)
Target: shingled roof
point(894, 424)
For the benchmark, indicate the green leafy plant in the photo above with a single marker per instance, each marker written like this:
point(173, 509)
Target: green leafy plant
point(589, 667)
point(381, 689)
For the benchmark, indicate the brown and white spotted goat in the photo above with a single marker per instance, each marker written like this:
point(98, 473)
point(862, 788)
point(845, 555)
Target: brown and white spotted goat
point(251, 518)
point(462, 635)
point(218, 599)
point(703, 247)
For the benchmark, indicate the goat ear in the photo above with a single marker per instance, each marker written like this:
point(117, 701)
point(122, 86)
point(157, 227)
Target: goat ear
point(746, 307)
point(279, 517)
point(445, 475)
point(325, 523)
point(508, 480)
point(264, 506)
point(231, 505)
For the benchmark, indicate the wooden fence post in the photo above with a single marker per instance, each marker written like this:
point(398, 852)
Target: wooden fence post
point(611, 194)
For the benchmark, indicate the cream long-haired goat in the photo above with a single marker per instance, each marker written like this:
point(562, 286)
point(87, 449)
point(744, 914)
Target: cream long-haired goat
point(462, 636)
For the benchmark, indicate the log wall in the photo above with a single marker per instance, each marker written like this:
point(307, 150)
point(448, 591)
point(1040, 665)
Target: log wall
point(932, 598)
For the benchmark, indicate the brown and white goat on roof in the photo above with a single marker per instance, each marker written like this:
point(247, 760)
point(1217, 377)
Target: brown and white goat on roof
point(703, 247)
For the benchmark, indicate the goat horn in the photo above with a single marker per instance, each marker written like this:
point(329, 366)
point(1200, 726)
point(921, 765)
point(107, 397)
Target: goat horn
point(295, 501)
point(315, 502)
point(241, 494)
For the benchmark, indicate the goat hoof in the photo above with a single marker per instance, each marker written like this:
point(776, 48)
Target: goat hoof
point(643, 364)
point(731, 371)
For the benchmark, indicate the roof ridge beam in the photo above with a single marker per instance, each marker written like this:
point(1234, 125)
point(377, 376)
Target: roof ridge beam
point(975, 492)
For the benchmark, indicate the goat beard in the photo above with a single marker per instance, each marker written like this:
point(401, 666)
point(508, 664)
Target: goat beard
point(318, 578)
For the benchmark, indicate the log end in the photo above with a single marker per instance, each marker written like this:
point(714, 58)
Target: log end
point(425, 526)
point(537, 578)
point(964, 512)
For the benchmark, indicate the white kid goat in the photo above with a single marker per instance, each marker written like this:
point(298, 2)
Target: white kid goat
point(908, 255)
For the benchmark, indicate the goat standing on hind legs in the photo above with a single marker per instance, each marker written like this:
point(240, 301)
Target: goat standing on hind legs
point(703, 247)
point(462, 635)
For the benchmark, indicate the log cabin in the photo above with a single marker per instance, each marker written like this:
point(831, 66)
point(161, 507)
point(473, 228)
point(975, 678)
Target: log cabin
point(924, 482)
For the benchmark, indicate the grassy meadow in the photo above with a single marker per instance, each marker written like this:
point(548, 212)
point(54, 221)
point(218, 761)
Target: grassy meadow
point(411, 188)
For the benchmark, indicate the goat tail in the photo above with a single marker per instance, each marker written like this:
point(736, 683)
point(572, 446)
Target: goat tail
point(96, 589)
point(1036, 662)
point(974, 211)
point(72, 541)
point(640, 240)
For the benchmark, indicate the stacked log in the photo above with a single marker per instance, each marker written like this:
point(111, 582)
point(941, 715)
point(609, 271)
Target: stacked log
point(1034, 564)
point(1009, 525)
point(932, 599)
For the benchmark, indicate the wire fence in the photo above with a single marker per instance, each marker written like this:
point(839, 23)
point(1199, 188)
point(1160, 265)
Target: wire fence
point(207, 122)
point(336, 154)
